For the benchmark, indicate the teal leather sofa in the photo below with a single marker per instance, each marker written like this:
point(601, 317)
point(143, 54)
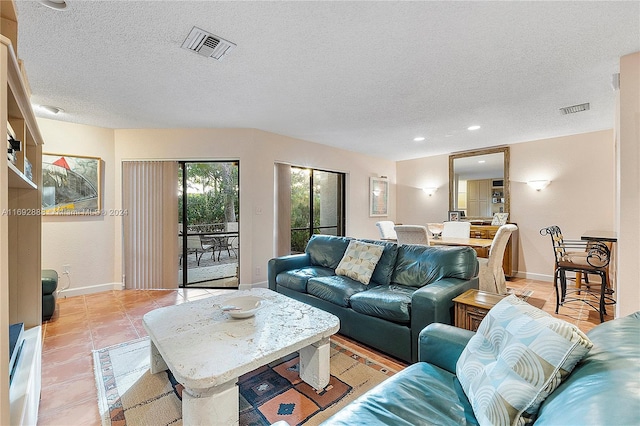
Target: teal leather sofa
point(49, 287)
point(411, 286)
point(603, 389)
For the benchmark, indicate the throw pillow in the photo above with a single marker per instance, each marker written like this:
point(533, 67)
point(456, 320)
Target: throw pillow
point(359, 261)
point(518, 356)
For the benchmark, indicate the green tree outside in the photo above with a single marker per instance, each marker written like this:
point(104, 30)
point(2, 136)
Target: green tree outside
point(300, 202)
point(213, 193)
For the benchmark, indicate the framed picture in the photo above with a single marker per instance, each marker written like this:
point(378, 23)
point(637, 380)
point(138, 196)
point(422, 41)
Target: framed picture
point(378, 196)
point(71, 185)
point(499, 219)
point(454, 216)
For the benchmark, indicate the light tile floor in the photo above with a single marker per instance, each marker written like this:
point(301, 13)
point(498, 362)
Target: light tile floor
point(85, 323)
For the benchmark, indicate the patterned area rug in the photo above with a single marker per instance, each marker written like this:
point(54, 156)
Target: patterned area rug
point(129, 394)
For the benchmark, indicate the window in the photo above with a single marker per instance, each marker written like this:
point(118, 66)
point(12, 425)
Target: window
point(317, 205)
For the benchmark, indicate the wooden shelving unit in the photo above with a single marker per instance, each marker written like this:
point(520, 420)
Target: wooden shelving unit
point(497, 196)
point(20, 233)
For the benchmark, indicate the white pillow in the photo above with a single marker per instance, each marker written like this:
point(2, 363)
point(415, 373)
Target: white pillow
point(359, 261)
point(517, 358)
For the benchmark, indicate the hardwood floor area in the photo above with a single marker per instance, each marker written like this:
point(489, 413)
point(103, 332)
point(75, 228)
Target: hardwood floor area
point(85, 323)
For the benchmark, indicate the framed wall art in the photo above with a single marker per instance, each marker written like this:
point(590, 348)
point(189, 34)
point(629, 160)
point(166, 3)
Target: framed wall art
point(71, 185)
point(378, 196)
point(454, 215)
point(499, 219)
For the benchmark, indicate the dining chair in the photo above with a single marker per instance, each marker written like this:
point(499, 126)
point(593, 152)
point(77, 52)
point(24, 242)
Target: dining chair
point(435, 229)
point(412, 234)
point(386, 230)
point(456, 230)
point(580, 257)
point(584, 278)
point(491, 274)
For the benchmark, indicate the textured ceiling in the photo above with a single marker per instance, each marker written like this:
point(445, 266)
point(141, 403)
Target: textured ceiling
point(364, 76)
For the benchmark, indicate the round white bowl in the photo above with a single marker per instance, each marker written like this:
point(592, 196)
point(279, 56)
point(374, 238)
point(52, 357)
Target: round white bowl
point(248, 306)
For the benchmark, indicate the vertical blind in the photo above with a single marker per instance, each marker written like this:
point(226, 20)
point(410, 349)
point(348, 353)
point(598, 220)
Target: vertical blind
point(283, 209)
point(150, 196)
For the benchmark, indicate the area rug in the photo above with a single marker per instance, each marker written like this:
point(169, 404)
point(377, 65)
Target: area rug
point(128, 394)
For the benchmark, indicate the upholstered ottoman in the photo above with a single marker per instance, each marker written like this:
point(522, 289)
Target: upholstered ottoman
point(49, 286)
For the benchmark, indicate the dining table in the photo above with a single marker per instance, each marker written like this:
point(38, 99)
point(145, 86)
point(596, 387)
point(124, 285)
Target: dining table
point(469, 242)
point(221, 240)
point(609, 238)
point(597, 235)
point(480, 245)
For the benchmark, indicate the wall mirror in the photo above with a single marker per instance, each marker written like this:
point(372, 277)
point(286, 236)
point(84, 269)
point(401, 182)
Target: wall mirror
point(479, 183)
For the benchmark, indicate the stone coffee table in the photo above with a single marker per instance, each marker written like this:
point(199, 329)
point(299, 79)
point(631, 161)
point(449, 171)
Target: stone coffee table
point(207, 350)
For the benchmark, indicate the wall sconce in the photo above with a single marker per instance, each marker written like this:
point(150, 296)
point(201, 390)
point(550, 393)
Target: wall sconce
point(538, 185)
point(430, 191)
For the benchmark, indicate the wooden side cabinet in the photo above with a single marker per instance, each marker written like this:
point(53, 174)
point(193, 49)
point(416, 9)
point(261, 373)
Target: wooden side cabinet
point(472, 306)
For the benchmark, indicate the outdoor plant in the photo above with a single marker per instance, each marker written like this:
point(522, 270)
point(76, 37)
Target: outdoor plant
point(212, 193)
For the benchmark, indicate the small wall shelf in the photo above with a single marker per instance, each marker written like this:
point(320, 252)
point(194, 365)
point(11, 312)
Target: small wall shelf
point(17, 179)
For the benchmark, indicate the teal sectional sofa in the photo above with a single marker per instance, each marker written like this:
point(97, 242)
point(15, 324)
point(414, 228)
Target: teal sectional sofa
point(602, 389)
point(411, 286)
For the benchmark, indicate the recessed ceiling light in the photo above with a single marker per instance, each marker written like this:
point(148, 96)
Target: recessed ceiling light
point(419, 139)
point(473, 127)
point(481, 161)
point(51, 109)
point(54, 4)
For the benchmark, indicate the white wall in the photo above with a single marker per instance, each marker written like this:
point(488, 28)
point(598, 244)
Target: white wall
point(628, 161)
point(580, 197)
point(414, 206)
point(93, 245)
point(257, 152)
point(83, 242)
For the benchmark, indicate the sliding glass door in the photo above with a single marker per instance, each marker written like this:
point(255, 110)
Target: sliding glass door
point(317, 205)
point(208, 224)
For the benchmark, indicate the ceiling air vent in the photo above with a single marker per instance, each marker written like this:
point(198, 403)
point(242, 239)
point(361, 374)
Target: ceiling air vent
point(574, 108)
point(207, 44)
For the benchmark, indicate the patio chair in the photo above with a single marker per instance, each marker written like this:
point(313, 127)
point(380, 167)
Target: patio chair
point(228, 243)
point(195, 245)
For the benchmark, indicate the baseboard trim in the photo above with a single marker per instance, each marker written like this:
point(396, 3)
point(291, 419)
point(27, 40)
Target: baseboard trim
point(79, 291)
point(263, 284)
point(532, 276)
